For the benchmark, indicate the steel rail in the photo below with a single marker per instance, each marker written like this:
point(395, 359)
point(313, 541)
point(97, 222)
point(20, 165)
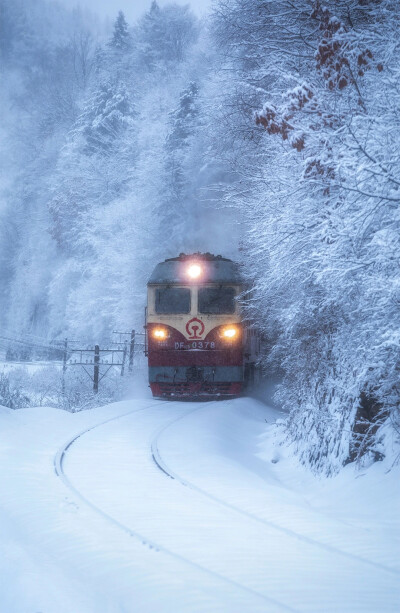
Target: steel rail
point(144, 540)
point(162, 465)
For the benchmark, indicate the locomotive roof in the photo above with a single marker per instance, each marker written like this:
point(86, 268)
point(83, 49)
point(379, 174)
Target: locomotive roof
point(216, 269)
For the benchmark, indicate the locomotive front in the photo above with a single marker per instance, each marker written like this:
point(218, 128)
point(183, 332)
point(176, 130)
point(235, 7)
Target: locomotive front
point(193, 327)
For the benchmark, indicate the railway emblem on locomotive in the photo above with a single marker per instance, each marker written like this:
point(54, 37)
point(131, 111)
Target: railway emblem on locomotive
point(195, 328)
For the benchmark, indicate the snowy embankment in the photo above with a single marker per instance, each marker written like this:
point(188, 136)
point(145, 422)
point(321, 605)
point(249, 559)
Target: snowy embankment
point(167, 506)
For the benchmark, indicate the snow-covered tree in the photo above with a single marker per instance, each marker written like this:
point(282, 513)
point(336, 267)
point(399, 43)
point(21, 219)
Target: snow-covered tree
point(175, 207)
point(42, 83)
point(165, 34)
point(121, 39)
point(320, 204)
point(113, 173)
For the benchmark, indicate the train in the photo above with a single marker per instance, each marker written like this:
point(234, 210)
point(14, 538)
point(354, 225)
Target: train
point(197, 342)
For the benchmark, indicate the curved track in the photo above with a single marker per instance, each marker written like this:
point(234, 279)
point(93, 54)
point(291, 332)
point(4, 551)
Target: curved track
point(144, 540)
point(163, 466)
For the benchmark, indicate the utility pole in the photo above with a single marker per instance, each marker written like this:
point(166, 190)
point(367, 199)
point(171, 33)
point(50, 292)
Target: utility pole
point(64, 368)
point(96, 369)
point(124, 358)
point(100, 367)
point(131, 350)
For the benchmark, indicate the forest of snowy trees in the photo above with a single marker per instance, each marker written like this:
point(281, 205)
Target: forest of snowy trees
point(268, 132)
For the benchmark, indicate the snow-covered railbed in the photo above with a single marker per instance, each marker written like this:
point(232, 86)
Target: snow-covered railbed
point(236, 529)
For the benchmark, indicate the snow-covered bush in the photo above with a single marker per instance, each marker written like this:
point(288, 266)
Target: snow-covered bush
point(11, 395)
point(77, 393)
point(46, 386)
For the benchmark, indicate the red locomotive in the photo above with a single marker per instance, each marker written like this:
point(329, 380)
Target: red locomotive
point(196, 341)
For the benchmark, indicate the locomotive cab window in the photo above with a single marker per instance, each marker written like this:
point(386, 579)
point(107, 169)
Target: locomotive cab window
point(217, 300)
point(172, 300)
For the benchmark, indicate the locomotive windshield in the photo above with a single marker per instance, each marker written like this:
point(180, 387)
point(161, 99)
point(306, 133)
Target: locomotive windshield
point(217, 300)
point(172, 300)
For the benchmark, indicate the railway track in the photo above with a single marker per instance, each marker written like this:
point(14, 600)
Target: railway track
point(163, 466)
point(143, 539)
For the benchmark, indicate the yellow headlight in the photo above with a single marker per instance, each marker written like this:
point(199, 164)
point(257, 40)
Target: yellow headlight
point(230, 333)
point(194, 271)
point(160, 334)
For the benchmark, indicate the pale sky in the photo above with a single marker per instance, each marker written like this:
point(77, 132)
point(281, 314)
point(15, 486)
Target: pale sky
point(132, 8)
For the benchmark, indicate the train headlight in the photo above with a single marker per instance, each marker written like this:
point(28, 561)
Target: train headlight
point(159, 334)
point(230, 333)
point(194, 271)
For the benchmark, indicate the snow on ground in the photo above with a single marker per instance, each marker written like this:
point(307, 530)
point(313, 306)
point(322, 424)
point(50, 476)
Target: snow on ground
point(185, 507)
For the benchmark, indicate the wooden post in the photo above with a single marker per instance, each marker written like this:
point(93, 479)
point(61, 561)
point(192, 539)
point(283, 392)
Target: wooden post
point(64, 368)
point(131, 350)
point(96, 369)
point(124, 358)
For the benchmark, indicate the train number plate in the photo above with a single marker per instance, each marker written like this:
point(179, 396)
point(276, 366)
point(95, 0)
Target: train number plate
point(195, 345)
